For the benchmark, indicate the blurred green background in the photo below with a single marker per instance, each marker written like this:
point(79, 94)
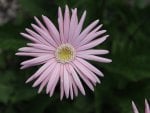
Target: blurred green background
point(127, 78)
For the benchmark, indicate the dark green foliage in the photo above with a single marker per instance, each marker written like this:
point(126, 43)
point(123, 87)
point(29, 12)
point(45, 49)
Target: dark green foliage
point(126, 78)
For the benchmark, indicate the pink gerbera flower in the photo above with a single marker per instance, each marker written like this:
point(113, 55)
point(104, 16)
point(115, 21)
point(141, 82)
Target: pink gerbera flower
point(147, 108)
point(63, 53)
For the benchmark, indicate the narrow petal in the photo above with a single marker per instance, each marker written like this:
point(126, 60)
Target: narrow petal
point(79, 27)
point(40, 24)
point(40, 71)
point(66, 23)
point(37, 60)
point(84, 70)
point(90, 67)
point(147, 108)
point(76, 79)
point(35, 64)
point(97, 28)
point(95, 58)
point(30, 37)
point(42, 47)
point(30, 54)
point(72, 24)
point(37, 36)
point(44, 75)
point(135, 110)
point(61, 24)
point(75, 89)
point(93, 52)
point(61, 82)
point(52, 90)
point(53, 79)
point(92, 44)
point(91, 36)
point(32, 50)
point(90, 72)
point(85, 79)
point(86, 31)
point(52, 29)
point(71, 88)
point(31, 65)
point(43, 84)
point(76, 20)
point(45, 35)
point(66, 81)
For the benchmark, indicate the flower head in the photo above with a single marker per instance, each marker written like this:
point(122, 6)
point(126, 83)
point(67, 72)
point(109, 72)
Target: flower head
point(147, 108)
point(64, 53)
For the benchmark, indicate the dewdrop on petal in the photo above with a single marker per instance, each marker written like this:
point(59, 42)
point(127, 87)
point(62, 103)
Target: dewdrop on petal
point(63, 53)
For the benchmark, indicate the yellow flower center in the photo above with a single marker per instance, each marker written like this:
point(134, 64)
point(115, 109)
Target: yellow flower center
point(65, 53)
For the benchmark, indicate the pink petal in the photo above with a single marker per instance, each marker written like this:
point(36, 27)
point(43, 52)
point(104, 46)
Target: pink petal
point(32, 50)
point(52, 90)
point(30, 37)
point(91, 36)
point(52, 29)
point(74, 88)
point(66, 23)
point(84, 70)
point(61, 82)
point(95, 58)
point(46, 36)
point(90, 67)
point(72, 24)
point(61, 24)
point(76, 20)
point(71, 89)
point(97, 28)
point(93, 43)
point(42, 47)
point(37, 60)
point(66, 81)
point(147, 108)
point(30, 54)
point(135, 110)
point(85, 79)
point(86, 31)
point(76, 79)
point(44, 75)
point(31, 65)
point(37, 36)
point(43, 84)
point(40, 71)
point(40, 24)
point(79, 27)
point(93, 52)
point(35, 64)
point(53, 80)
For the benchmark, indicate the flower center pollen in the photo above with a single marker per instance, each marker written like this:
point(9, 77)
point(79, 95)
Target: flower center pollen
point(65, 53)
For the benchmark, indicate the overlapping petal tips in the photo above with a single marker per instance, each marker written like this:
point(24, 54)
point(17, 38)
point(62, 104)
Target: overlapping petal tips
point(147, 107)
point(64, 53)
